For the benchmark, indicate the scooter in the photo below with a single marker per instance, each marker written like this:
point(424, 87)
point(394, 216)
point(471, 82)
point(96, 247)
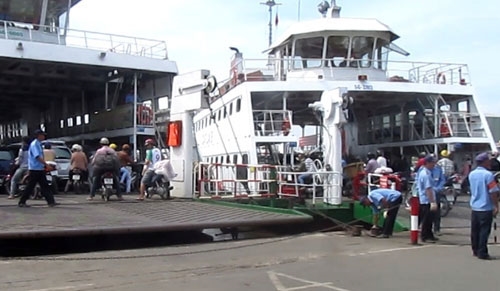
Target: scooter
point(107, 183)
point(159, 186)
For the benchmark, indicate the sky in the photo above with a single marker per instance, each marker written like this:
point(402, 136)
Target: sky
point(199, 33)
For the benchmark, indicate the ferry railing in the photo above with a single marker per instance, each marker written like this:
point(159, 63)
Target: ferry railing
point(461, 124)
point(103, 42)
point(322, 181)
point(223, 181)
point(274, 69)
point(272, 122)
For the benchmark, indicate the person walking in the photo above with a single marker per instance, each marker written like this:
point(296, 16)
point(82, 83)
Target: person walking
point(484, 205)
point(125, 160)
point(36, 168)
point(384, 199)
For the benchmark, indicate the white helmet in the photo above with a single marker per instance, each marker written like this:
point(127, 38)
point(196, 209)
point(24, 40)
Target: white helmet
point(76, 147)
point(104, 141)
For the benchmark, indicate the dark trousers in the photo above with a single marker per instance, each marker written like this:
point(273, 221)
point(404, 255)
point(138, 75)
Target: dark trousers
point(427, 218)
point(96, 180)
point(437, 214)
point(40, 178)
point(480, 228)
point(392, 213)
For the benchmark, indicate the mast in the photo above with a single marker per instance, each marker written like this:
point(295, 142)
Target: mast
point(271, 4)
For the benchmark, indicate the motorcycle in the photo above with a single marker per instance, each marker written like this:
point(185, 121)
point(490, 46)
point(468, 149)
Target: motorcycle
point(159, 186)
point(20, 186)
point(107, 183)
point(77, 181)
point(50, 174)
point(453, 187)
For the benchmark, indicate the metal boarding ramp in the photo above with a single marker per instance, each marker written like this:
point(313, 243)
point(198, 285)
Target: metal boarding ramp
point(78, 217)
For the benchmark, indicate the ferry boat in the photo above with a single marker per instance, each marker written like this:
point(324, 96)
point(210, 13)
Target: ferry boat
point(331, 77)
point(78, 85)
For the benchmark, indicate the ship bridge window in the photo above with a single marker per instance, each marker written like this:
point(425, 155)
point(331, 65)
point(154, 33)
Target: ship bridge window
point(381, 54)
point(337, 50)
point(308, 52)
point(238, 105)
point(362, 52)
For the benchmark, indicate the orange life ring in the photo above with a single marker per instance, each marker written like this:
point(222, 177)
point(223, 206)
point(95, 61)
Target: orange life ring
point(286, 126)
point(441, 78)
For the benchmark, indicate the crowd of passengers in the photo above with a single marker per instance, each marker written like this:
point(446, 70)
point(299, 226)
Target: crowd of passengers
point(35, 157)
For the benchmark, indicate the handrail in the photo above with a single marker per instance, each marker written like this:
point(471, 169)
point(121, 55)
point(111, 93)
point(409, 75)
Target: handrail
point(145, 47)
point(402, 71)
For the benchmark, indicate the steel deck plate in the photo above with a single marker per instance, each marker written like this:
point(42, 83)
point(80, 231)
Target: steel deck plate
point(76, 216)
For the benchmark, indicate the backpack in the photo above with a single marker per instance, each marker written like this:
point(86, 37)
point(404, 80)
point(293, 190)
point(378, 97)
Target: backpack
point(106, 161)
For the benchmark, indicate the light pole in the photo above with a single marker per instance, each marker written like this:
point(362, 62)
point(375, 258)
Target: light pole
point(271, 4)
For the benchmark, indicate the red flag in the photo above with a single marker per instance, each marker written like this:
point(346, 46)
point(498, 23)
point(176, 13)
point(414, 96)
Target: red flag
point(276, 20)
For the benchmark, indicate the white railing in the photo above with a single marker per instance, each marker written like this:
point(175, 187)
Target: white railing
point(272, 122)
point(235, 181)
point(103, 42)
point(397, 71)
point(461, 124)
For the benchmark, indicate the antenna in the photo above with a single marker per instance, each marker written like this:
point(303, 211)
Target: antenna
point(271, 4)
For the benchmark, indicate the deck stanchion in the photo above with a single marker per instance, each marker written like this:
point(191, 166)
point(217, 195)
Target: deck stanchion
point(414, 203)
point(495, 230)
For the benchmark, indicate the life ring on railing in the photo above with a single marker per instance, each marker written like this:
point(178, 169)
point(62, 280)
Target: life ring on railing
point(286, 126)
point(144, 115)
point(441, 78)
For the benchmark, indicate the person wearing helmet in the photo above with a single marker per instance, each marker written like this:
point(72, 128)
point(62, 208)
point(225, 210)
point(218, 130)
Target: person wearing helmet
point(372, 164)
point(153, 155)
point(125, 160)
point(78, 162)
point(105, 160)
point(446, 164)
point(113, 146)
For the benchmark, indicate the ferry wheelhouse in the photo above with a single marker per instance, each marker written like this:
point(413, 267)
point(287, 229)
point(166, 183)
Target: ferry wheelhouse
point(273, 107)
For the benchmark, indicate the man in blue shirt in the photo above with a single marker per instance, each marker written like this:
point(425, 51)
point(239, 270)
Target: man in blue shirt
point(384, 198)
point(36, 167)
point(484, 204)
point(427, 197)
point(439, 181)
